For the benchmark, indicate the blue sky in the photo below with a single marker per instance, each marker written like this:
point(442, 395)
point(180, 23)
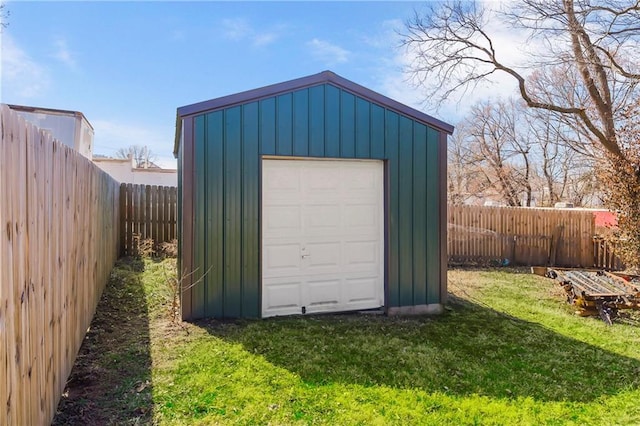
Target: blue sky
point(128, 65)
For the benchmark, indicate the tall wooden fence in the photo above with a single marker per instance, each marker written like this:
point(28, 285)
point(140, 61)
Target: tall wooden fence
point(58, 243)
point(526, 236)
point(146, 212)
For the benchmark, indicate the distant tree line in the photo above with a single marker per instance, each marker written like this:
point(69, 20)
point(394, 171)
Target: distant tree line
point(581, 82)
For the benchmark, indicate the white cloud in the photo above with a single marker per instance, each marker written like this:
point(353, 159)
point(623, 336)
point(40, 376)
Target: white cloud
point(512, 47)
point(236, 29)
point(394, 84)
point(328, 53)
point(110, 136)
point(25, 77)
point(239, 29)
point(264, 39)
point(63, 54)
point(387, 37)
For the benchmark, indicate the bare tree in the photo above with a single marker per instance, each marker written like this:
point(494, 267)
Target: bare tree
point(142, 155)
point(593, 42)
point(4, 16)
point(518, 156)
point(461, 173)
point(500, 151)
point(555, 158)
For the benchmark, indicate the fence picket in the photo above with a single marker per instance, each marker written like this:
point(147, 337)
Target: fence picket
point(153, 215)
point(50, 199)
point(524, 236)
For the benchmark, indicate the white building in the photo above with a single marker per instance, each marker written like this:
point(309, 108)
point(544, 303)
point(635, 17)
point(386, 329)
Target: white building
point(69, 127)
point(74, 130)
point(124, 170)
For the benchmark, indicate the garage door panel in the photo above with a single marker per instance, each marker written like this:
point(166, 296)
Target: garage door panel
point(363, 289)
point(282, 219)
point(321, 180)
point(319, 217)
point(362, 216)
point(325, 245)
point(360, 178)
point(282, 295)
point(285, 179)
point(365, 253)
point(283, 258)
point(323, 255)
point(323, 292)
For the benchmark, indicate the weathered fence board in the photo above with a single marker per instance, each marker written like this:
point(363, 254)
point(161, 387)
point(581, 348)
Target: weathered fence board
point(59, 241)
point(146, 212)
point(526, 236)
point(604, 253)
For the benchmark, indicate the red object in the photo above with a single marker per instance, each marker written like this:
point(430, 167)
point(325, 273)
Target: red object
point(606, 219)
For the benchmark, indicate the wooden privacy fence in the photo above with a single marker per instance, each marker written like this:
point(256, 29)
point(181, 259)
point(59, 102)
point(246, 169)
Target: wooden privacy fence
point(146, 212)
point(604, 254)
point(59, 241)
point(525, 236)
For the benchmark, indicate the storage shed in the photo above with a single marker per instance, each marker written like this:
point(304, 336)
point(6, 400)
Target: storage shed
point(312, 195)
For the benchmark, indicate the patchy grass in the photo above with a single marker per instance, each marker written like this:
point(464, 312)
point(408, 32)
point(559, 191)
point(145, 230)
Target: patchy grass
point(111, 379)
point(508, 350)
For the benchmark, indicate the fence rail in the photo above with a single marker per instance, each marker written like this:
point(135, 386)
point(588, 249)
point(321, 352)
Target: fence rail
point(59, 241)
point(529, 236)
point(146, 212)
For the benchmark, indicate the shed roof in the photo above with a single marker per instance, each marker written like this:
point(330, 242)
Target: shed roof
point(301, 83)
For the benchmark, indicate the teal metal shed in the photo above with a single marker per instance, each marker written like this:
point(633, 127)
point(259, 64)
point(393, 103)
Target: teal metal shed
point(312, 195)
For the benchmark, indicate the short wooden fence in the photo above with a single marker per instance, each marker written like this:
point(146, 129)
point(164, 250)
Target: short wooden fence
point(526, 236)
point(59, 241)
point(147, 212)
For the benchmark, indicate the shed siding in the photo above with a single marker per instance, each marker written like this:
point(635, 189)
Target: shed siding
point(391, 144)
point(213, 183)
point(419, 210)
point(433, 189)
point(250, 211)
point(319, 121)
point(200, 217)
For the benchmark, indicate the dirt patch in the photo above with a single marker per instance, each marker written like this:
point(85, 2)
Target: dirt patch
point(111, 380)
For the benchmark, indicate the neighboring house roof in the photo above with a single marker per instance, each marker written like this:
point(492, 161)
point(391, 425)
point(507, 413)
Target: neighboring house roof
point(52, 111)
point(301, 83)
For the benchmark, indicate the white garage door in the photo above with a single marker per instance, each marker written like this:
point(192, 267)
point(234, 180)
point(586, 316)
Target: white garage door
point(322, 236)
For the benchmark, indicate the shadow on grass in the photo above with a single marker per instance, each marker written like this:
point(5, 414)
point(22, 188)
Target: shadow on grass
point(470, 350)
point(111, 379)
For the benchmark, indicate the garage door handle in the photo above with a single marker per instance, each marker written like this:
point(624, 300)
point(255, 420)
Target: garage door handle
point(305, 255)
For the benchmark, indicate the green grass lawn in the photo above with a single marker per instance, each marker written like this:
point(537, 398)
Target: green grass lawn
point(508, 350)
